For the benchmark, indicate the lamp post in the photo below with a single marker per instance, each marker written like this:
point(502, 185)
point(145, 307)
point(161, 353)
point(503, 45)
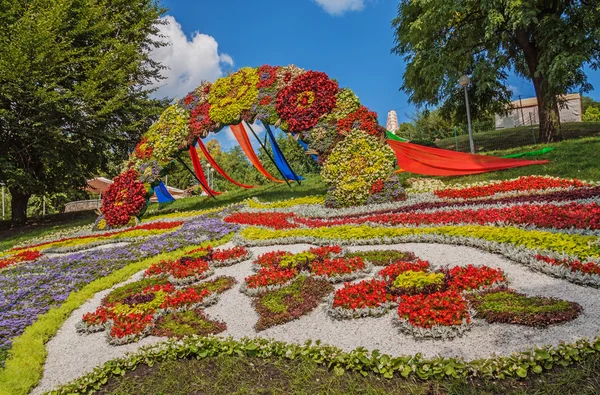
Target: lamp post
point(464, 82)
point(1, 183)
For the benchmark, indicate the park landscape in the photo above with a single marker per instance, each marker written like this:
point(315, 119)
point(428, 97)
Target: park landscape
point(387, 270)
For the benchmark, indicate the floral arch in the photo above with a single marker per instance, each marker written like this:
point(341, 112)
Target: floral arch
point(307, 104)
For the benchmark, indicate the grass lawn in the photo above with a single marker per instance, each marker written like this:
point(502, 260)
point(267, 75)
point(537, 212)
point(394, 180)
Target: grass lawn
point(516, 137)
point(248, 375)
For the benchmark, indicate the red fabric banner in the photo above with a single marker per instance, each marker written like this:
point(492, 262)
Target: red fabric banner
point(242, 137)
point(218, 168)
point(430, 161)
point(200, 172)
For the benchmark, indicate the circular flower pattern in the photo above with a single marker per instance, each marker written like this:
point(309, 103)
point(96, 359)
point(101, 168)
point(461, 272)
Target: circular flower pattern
point(125, 198)
point(310, 96)
point(232, 95)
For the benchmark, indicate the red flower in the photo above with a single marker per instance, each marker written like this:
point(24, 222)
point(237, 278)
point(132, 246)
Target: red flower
point(267, 75)
point(142, 150)
point(395, 269)
point(28, 255)
point(337, 266)
point(471, 278)
point(302, 103)
point(368, 293)
point(377, 187)
point(266, 277)
point(271, 220)
point(440, 308)
point(362, 119)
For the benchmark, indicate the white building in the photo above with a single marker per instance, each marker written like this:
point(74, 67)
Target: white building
point(525, 112)
point(392, 121)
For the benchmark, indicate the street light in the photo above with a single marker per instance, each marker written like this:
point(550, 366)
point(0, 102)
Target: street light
point(464, 82)
point(1, 183)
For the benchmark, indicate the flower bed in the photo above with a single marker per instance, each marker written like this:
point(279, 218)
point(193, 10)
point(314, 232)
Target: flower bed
point(383, 257)
point(132, 311)
point(366, 298)
point(24, 256)
point(291, 302)
point(181, 271)
point(525, 183)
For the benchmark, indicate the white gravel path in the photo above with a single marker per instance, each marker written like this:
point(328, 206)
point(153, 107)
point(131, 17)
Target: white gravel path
point(71, 355)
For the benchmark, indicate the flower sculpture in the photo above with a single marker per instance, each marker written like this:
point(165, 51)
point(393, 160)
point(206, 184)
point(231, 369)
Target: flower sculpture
point(298, 101)
point(124, 199)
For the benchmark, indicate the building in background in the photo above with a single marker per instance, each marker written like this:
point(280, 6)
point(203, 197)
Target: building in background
point(525, 112)
point(392, 121)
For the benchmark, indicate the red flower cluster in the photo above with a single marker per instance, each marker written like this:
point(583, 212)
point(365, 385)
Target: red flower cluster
point(370, 293)
point(362, 119)
point(302, 103)
point(230, 253)
point(470, 277)
point(200, 121)
point(143, 151)
point(529, 183)
point(271, 220)
point(130, 324)
point(266, 277)
point(326, 251)
point(181, 268)
point(267, 75)
point(575, 215)
point(98, 317)
point(28, 255)
point(377, 187)
point(125, 198)
point(184, 297)
point(395, 269)
point(574, 265)
point(337, 266)
point(440, 308)
point(271, 259)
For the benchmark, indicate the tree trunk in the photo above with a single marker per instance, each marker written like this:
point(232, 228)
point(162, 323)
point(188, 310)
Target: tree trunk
point(548, 113)
point(547, 101)
point(19, 207)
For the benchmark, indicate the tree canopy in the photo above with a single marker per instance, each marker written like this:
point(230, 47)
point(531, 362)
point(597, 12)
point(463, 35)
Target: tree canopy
point(73, 90)
point(547, 41)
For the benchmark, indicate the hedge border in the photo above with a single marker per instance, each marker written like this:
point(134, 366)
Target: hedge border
point(360, 360)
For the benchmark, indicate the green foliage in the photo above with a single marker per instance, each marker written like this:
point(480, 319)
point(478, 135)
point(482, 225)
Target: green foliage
point(166, 134)
point(547, 42)
point(592, 114)
point(301, 297)
point(508, 306)
point(187, 323)
point(416, 280)
point(383, 257)
point(301, 258)
point(354, 165)
point(73, 90)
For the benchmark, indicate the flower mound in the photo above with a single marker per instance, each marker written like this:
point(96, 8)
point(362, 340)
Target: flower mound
point(392, 271)
point(301, 104)
point(125, 198)
point(369, 297)
point(182, 271)
point(472, 277)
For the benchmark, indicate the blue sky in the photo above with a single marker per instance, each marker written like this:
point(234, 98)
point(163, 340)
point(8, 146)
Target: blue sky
point(348, 39)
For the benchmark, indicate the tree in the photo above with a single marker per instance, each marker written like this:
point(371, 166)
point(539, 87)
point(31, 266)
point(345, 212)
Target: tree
point(592, 114)
point(73, 90)
point(587, 102)
point(547, 41)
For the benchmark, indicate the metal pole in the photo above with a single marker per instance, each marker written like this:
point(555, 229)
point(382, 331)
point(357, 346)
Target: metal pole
point(469, 122)
point(2, 201)
point(284, 159)
point(44, 206)
point(269, 155)
point(196, 177)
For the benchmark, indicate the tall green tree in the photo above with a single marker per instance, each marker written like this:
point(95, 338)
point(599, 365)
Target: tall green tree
point(73, 90)
point(547, 41)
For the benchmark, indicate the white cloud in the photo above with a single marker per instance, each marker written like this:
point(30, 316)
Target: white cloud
point(513, 89)
point(339, 7)
point(189, 61)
